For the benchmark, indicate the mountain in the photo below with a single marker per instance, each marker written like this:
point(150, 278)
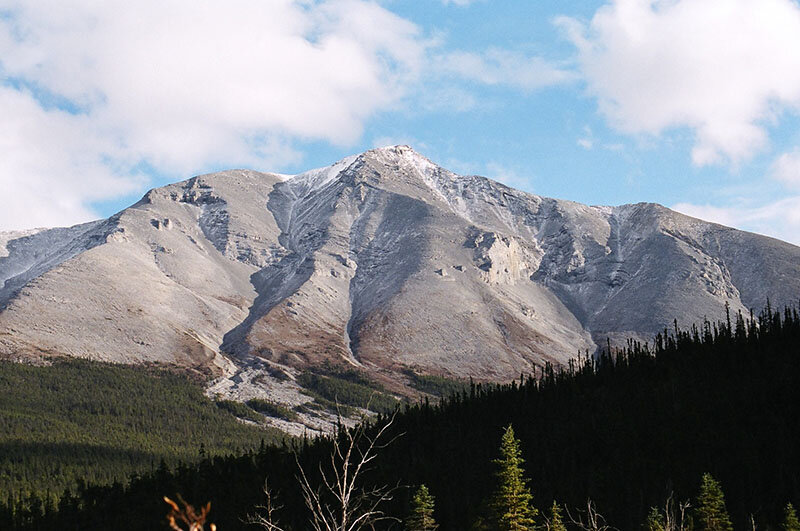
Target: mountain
point(384, 261)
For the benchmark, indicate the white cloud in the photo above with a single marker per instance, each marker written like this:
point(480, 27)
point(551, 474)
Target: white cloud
point(460, 2)
point(53, 162)
point(508, 176)
point(723, 68)
point(786, 168)
point(504, 67)
point(180, 85)
point(587, 140)
point(780, 219)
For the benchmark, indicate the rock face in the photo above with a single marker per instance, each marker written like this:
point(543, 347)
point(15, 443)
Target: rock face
point(383, 260)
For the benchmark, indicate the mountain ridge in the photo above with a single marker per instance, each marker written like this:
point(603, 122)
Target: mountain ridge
point(383, 261)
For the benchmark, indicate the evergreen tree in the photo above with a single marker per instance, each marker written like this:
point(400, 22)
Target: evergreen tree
point(421, 517)
point(556, 520)
point(655, 521)
point(790, 521)
point(711, 513)
point(511, 503)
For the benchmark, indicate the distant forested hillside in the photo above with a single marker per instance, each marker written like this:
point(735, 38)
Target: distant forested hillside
point(625, 430)
point(95, 423)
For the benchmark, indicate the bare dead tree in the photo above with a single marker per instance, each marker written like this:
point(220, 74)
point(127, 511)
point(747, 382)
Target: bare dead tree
point(675, 518)
point(672, 517)
point(354, 507)
point(267, 518)
point(589, 519)
point(339, 503)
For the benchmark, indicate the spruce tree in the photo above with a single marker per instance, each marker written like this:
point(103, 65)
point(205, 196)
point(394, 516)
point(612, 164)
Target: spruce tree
point(655, 521)
point(556, 520)
point(511, 503)
point(421, 517)
point(711, 513)
point(790, 521)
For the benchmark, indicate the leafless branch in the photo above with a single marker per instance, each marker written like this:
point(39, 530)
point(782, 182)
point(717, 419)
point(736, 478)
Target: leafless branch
point(674, 517)
point(589, 519)
point(354, 508)
point(267, 518)
point(339, 503)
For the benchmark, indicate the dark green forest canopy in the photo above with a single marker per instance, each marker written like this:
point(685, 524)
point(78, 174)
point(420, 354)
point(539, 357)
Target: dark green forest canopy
point(625, 430)
point(98, 423)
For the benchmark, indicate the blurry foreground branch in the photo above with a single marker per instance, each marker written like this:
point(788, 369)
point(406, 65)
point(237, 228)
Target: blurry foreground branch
point(187, 515)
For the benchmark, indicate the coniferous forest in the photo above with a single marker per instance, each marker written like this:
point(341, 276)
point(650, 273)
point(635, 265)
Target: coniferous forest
point(708, 415)
point(96, 423)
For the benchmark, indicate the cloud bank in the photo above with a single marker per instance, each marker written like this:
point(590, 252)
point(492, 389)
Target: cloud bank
point(723, 68)
point(92, 92)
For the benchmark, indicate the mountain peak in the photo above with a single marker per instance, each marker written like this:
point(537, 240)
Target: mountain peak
point(397, 149)
point(397, 160)
point(383, 260)
point(402, 156)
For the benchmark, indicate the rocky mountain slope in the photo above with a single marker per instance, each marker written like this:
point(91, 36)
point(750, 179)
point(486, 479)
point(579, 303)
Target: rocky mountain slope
point(383, 261)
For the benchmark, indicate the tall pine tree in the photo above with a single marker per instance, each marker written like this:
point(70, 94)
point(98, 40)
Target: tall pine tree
point(556, 522)
point(421, 517)
point(790, 521)
point(711, 514)
point(511, 503)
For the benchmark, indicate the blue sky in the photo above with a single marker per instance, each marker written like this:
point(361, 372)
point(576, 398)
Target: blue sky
point(689, 103)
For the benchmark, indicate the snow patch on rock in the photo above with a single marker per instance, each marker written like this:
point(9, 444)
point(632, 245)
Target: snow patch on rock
point(311, 181)
point(29, 254)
